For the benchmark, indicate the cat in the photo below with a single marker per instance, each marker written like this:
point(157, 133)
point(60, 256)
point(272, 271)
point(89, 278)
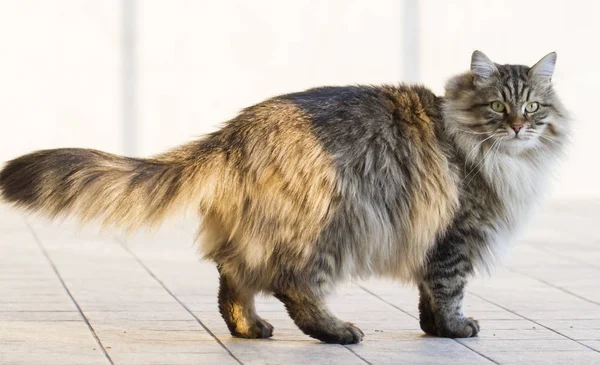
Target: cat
point(305, 190)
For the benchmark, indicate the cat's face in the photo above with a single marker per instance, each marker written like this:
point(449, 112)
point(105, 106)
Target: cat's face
point(507, 108)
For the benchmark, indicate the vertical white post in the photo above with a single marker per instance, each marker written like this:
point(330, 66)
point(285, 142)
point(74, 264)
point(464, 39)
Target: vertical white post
point(128, 77)
point(410, 41)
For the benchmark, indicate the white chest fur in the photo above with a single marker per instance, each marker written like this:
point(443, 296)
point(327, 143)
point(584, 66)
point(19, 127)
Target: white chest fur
point(519, 183)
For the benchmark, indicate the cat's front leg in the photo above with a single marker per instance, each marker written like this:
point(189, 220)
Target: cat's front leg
point(441, 293)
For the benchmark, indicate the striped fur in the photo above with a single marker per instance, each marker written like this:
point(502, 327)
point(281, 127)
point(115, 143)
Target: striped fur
point(305, 190)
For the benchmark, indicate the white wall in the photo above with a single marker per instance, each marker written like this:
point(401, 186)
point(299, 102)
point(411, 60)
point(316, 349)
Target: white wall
point(198, 63)
point(59, 75)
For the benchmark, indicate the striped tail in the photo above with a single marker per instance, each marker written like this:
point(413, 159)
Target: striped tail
point(94, 185)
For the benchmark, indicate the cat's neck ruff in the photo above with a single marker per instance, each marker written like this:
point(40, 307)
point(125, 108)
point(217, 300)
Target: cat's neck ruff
point(518, 180)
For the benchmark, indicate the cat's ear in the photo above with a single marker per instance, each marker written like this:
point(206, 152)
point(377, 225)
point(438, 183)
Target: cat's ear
point(544, 68)
point(482, 68)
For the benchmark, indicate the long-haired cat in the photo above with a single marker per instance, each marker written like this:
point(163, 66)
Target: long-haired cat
point(305, 190)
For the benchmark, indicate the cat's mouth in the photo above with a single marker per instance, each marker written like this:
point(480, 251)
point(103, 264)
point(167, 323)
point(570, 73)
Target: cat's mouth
point(516, 143)
point(522, 136)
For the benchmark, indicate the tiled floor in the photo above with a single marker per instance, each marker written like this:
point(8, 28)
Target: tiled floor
point(70, 296)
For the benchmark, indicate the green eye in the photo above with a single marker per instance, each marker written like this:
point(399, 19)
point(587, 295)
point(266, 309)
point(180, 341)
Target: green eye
point(497, 106)
point(532, 107)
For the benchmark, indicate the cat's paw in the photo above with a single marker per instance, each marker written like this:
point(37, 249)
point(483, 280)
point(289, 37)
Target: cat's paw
point(427, 320)
point(352, 334)
point(259, 328)
point(459, 328)
point(344, 333)
point(263, 329)
point(428, 326)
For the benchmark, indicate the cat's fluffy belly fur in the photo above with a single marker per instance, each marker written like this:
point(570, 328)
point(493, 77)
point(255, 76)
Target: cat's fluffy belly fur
point(308, 189)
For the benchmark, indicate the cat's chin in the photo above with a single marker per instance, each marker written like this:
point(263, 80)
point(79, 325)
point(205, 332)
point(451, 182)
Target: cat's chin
point(518, 146)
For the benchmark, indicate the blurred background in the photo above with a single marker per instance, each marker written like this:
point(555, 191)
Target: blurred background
point(138, 77)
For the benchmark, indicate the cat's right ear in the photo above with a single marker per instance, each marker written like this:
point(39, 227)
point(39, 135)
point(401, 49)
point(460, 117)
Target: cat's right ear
point(544, 68)
point(482, 68)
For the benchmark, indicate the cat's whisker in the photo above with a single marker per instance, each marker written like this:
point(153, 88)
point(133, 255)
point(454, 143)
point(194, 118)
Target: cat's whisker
point(480, 164)
point(472, 132)
point(478, 144)
point(473, 150)
point(548, 150)
point(548, 139)
point(494, 155)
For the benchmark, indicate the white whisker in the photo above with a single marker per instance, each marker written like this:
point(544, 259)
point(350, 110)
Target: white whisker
point(480, 164)
point(548, 139)
point(473, 150)
point(479, 144)
point(548, 150)
point(472, 132)
point(494, 154)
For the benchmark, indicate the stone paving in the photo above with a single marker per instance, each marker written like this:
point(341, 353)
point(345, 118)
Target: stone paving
point(72, 296)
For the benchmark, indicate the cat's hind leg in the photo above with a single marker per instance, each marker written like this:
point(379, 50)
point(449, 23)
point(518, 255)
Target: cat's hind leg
point(236, 304)
point(312, 316)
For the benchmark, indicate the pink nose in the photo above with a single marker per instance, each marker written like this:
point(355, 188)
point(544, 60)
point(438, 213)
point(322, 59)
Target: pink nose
point(517, 128)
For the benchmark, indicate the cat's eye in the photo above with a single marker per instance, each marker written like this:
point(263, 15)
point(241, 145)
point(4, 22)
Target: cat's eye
point(497, 106)
point(532, 107)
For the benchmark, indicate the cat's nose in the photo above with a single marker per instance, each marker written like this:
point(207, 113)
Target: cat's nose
point(517, 128)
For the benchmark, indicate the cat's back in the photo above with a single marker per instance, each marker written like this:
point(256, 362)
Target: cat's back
point(345, 118)
point(353, 117)
point(380, 135)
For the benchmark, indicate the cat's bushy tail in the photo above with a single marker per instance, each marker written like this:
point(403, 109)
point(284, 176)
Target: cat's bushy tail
point(94, 185)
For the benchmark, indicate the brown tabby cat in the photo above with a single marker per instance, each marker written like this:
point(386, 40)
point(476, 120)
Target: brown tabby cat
point(308, 189)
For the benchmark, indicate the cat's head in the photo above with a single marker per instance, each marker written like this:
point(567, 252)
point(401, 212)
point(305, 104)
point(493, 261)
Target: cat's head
point(505, 108)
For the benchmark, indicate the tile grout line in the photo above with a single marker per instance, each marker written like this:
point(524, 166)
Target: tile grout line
point(386, 302)
point(143, 265)
point(414, 317)
point(534, 321)
point(37, 311)
point(64, 285)
point(564, 290)
point(477, 352)
point(357, 355)
point(561, 255)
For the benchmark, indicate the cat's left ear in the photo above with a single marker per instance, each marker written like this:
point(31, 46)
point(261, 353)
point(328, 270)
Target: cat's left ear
point(544, 68)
